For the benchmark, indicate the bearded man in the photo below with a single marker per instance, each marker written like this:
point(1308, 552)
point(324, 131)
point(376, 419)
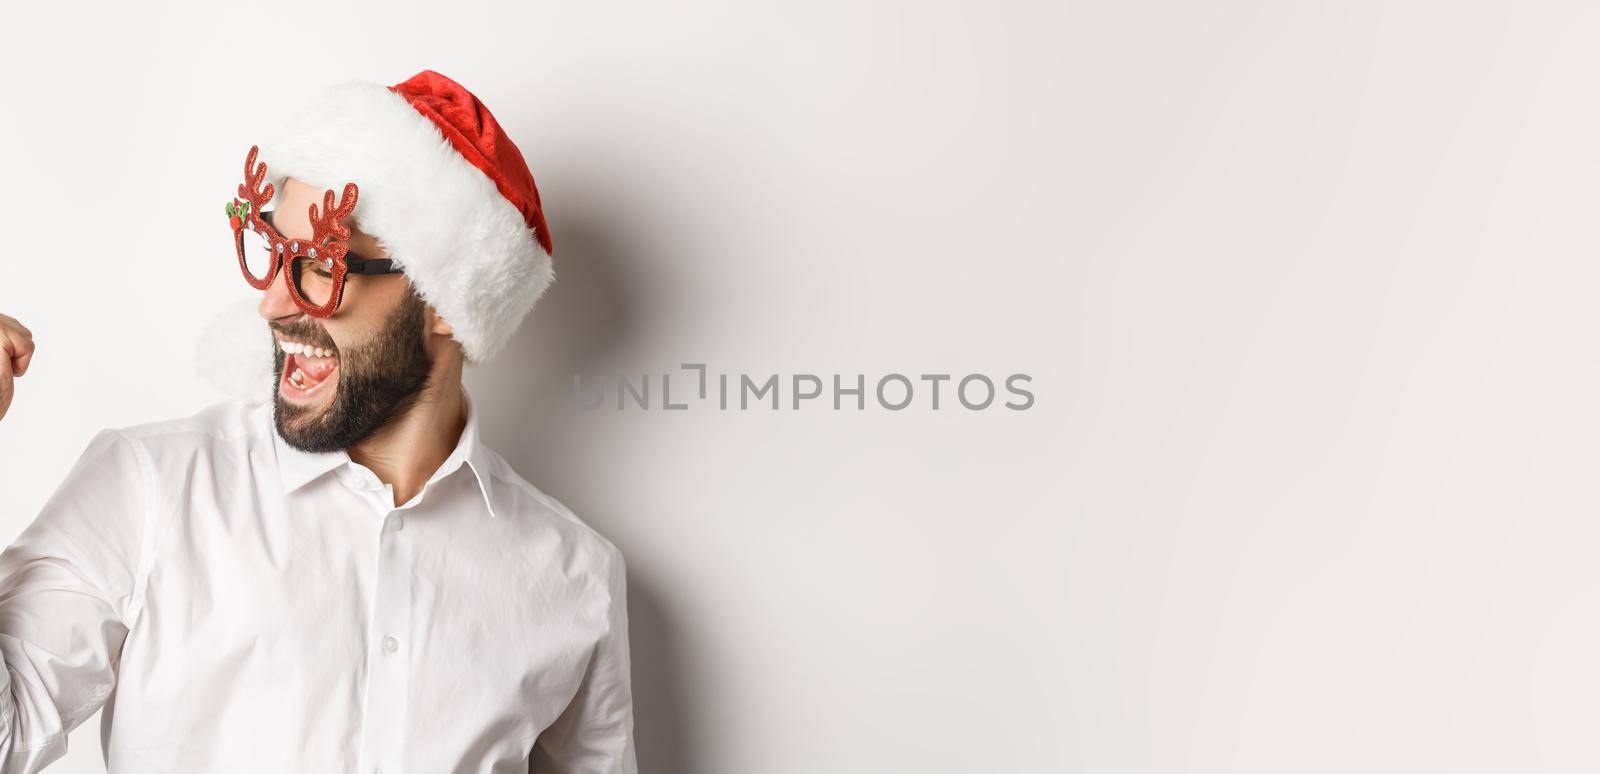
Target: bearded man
point(344, 578)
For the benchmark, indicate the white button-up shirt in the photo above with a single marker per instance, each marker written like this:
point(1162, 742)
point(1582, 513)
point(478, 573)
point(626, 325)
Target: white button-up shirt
point(237, 605)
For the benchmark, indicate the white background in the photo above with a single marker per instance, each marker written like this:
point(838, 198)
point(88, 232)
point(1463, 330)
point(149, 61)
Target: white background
point(1305, 288)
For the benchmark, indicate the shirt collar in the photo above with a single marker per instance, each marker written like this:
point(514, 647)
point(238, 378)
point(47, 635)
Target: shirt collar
point(297, 467)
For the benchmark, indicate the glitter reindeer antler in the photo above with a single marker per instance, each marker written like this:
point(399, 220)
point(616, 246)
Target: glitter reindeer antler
point(326, 224)
point(251, 189)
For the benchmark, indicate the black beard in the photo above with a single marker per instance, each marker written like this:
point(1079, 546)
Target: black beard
point(379, 381)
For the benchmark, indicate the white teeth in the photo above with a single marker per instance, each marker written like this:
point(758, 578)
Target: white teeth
point(297, 348)
point(298, 378)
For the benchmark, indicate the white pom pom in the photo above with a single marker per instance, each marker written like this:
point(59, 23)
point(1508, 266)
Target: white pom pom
point(234, 353)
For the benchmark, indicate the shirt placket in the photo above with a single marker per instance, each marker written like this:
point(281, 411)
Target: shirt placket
point(389, 647)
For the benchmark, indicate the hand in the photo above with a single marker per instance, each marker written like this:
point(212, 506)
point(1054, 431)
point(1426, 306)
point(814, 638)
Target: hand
point(16, 350)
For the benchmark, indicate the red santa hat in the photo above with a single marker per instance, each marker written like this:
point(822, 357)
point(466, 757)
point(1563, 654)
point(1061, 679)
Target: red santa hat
point(442, 188)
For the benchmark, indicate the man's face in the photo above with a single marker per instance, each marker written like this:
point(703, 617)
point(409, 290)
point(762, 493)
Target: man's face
point(340, 378)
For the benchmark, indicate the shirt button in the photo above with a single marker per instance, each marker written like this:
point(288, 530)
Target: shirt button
point(390, 644)
point(397, 522)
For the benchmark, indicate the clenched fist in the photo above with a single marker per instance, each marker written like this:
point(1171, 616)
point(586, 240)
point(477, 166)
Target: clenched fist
point(16, 349)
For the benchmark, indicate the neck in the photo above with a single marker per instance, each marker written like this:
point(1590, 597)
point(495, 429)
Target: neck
point(405, 452)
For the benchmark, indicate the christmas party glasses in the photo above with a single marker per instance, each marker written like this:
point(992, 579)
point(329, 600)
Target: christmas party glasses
point(317, 266)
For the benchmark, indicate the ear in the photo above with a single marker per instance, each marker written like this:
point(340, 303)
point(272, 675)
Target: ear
point(436, 324)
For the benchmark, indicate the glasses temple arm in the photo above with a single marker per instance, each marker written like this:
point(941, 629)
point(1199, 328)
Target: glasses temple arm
point(371, 266)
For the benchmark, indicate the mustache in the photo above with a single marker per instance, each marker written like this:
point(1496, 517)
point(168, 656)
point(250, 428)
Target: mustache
point(305, 332)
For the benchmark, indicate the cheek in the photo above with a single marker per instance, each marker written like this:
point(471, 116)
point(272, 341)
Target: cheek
point(367, 297)
point(353, 326)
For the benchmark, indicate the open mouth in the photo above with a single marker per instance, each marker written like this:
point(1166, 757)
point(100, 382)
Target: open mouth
point(307, 369)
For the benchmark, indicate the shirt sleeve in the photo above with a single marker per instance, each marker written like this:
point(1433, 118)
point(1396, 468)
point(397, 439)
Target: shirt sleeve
point(594, 735)
point(68, 593)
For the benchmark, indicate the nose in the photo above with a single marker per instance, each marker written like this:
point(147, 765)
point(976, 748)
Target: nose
point(276, 305)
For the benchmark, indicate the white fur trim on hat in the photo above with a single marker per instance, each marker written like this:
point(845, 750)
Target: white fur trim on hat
point(464, 246)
